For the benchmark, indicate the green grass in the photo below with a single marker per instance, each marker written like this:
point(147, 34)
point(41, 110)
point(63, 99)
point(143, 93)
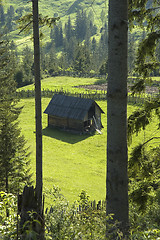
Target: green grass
point(65, 83)
point(156, 78)
point(72, 162)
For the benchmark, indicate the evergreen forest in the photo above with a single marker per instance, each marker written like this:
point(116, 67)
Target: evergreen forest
point(76, 45)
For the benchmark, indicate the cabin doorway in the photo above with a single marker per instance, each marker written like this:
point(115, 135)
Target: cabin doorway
point(91, 112)
point(87, 123)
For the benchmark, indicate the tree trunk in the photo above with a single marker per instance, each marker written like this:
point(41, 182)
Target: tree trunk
point(28, 209)
point(38, 110)
point(117, 153)
point(37, 105)
point(7, 211)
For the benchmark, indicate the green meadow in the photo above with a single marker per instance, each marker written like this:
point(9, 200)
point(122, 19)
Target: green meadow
point(72, 162)
point(65, 83)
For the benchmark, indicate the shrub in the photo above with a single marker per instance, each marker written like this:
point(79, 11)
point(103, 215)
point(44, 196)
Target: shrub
point(8, 216)
point(77, 221)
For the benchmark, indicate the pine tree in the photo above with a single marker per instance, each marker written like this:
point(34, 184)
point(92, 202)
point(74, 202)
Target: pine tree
point(57, 35)
point(117, 154)
point(9, 18)
point(60, 35)
point(104, 68)
point(81, 25)
point(52, 65)
point(2, 15)
point(68, 29)
point(131, 53)
point(14, 163)
point(93, 45)
point(81, 62)
point(70, 48)
point(27, 66)
point(146, 62)
point(103, 43)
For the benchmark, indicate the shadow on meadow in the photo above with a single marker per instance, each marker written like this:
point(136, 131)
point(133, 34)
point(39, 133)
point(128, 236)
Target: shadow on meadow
point(64, 136)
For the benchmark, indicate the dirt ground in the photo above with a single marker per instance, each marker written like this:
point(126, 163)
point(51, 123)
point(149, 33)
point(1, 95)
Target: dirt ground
point(103, 87)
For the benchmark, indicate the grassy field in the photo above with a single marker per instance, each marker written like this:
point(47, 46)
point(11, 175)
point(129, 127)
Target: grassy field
point(72, 162)
point(65, 83)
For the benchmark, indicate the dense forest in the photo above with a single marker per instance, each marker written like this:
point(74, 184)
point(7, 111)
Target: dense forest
point(77, 46)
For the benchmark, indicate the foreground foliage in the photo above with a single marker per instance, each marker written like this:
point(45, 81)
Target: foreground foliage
point(8, 224)
point(66, 221)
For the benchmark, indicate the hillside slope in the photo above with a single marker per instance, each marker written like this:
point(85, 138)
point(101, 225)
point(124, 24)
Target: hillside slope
point(62, 8)
point(51, 8)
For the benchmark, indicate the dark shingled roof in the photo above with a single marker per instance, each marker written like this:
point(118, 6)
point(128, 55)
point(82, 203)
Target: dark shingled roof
point(69, 107)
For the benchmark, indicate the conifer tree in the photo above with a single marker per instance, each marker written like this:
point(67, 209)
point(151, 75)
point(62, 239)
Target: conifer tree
point(14, 163)
point(81, 62)
point(81, 25)
point(68, 29)
point(144, 163)
point(117, 154)
point(93, 45)
point(9, 18)
point(27, 66)
point(103, 43)
point(70, 48)
point(57, 35)
point(2, 15)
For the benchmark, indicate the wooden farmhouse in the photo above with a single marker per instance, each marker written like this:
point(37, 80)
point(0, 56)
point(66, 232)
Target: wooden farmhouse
point(74, 113)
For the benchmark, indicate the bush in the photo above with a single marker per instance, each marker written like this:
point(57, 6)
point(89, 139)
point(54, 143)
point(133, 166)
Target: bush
point(8, 216)
point(77, 221)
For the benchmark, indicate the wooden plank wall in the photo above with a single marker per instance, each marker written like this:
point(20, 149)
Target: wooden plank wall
point(65, 123)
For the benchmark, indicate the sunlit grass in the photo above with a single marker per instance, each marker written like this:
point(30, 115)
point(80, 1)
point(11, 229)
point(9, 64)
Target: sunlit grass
point(72, 162)
point(64, 83)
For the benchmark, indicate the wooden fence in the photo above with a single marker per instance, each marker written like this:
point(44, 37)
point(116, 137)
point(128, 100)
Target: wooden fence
point(95, 206)
point(97, 95)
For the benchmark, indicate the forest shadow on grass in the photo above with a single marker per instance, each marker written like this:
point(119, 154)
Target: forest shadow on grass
point(65, 136)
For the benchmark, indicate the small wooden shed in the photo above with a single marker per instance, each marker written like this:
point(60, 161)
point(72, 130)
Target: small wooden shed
point(74, 113)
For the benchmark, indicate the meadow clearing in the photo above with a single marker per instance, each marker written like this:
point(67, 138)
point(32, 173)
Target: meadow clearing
point(73, 162)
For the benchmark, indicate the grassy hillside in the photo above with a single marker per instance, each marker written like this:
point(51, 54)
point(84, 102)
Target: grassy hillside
point(61, 7)
point(72, 162)
point(50, 8)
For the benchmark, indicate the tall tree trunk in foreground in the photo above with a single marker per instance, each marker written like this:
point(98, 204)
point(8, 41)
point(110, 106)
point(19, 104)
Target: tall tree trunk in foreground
point(31, 199)
point(117, 153)
point(37, 106)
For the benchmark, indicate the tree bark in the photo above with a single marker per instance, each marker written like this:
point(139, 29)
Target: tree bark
point(38, 110)
point(117, 153)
